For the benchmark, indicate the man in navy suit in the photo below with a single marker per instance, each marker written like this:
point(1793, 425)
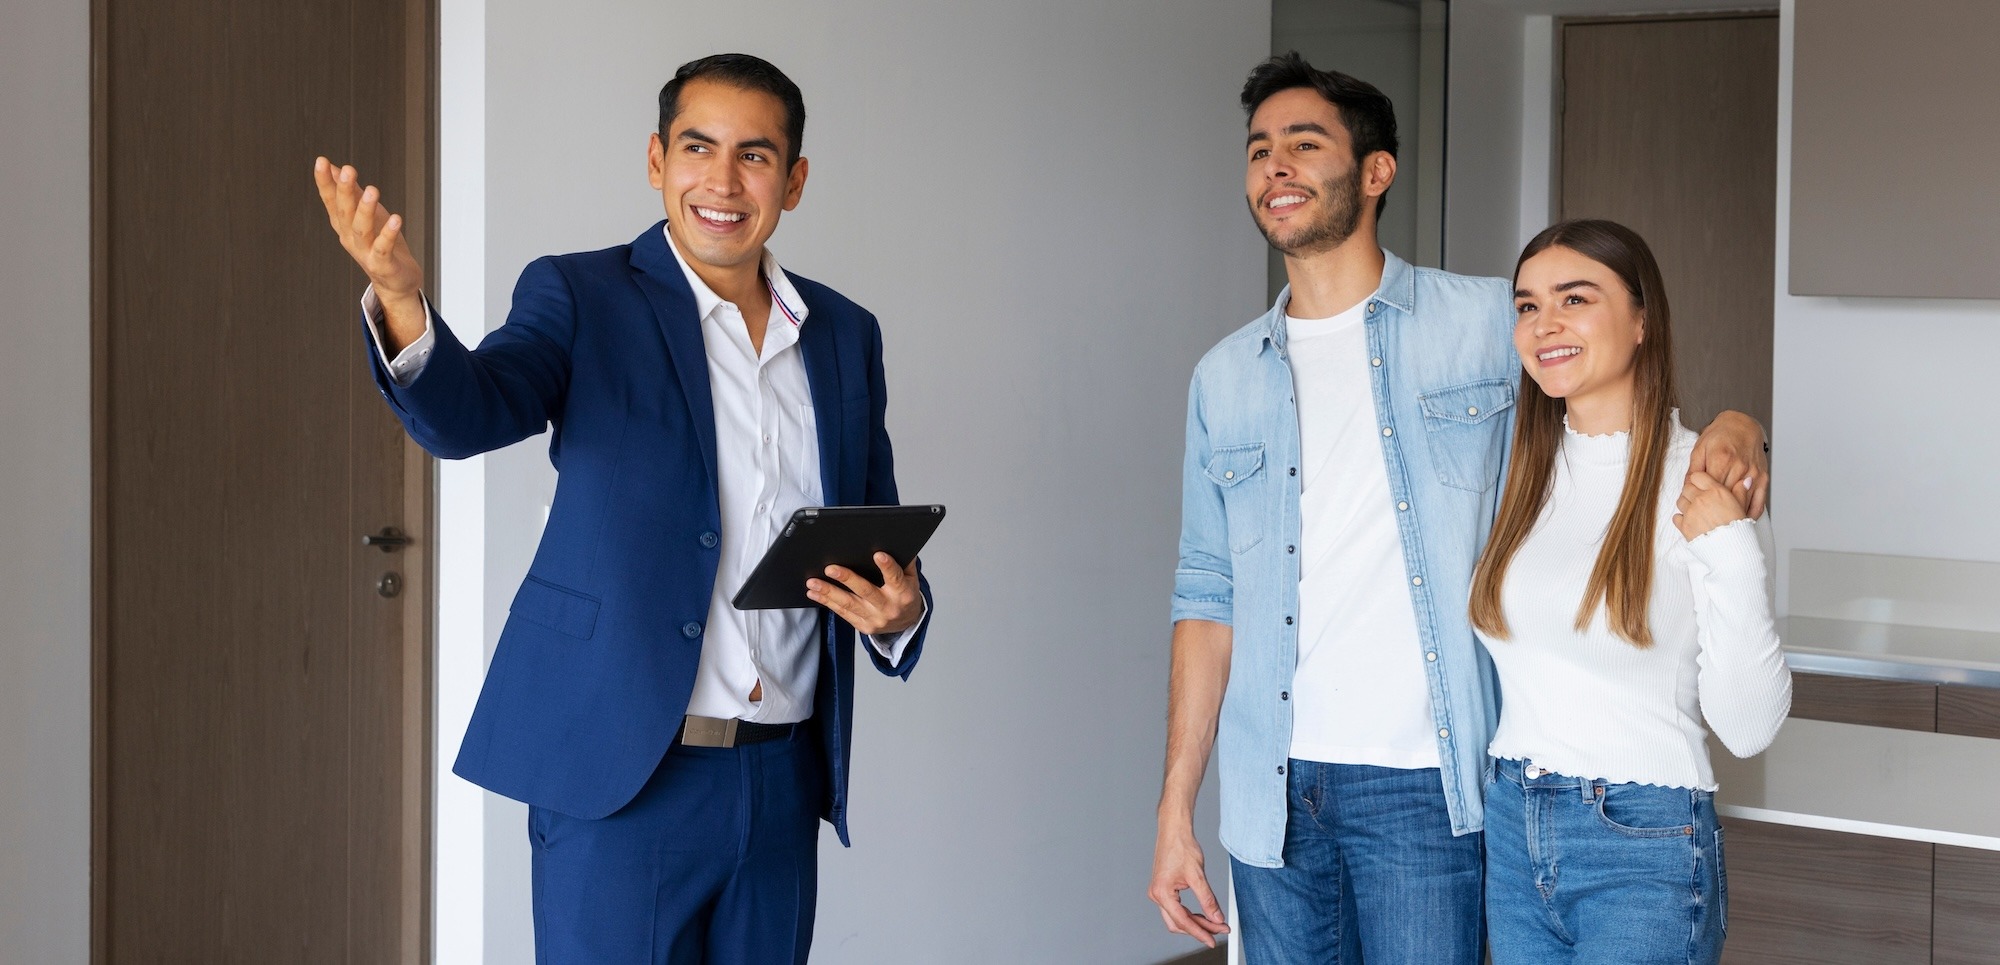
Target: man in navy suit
point(676, 753)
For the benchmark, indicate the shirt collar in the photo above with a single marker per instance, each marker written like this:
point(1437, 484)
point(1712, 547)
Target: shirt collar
point(780, 285)
point(1397, 290)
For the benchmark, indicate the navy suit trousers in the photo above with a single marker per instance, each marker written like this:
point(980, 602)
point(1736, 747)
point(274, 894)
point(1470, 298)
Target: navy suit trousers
point(716, 862)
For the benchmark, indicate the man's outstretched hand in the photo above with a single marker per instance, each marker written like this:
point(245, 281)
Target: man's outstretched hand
point(373, 237)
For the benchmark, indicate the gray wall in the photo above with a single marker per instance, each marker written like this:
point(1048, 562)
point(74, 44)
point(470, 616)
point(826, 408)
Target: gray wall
point(1484, 140)
point(45, 479)
point(1043, 203)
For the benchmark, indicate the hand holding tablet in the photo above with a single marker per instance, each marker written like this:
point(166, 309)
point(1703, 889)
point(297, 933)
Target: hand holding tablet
point(847, 538)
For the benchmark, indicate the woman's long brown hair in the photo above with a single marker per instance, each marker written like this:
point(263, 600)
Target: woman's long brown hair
point(1623, 577)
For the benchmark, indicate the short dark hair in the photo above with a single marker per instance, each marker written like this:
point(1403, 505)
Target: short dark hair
point(746, 72)
point(1365, 111)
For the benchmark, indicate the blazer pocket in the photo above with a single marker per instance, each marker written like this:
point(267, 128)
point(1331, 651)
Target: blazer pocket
point(560, 609)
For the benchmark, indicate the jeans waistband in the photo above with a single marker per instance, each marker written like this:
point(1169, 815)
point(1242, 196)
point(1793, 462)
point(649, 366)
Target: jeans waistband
point(1529, 774)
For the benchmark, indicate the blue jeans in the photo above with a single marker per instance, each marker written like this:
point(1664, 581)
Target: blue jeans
point(1582, 870)
point(1372, 872)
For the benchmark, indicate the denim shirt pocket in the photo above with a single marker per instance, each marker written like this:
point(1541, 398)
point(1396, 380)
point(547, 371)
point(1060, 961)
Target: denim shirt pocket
point(1238, 471)
point(1466, 431)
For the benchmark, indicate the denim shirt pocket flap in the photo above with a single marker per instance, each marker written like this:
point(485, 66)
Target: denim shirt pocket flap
point(1231, 465)
point(1469, 404)
point(557, 608)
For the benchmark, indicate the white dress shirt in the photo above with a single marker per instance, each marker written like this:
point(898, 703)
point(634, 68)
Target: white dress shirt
point(767, 466)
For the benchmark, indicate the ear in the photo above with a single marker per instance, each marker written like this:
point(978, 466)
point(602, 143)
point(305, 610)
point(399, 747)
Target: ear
point(795, 183)
point(1378, 172)
point(656, 162)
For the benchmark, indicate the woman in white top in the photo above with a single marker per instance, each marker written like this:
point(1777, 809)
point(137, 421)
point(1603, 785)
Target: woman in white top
point(1627, 616)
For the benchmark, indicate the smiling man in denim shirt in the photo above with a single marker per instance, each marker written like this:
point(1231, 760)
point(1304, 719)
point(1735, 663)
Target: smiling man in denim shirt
point(1344, 455)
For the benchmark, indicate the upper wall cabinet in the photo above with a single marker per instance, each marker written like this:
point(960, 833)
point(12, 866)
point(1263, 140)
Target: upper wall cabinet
point(1896, 148)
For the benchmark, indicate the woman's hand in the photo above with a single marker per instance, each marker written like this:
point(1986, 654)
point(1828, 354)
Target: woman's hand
point(1706, 503)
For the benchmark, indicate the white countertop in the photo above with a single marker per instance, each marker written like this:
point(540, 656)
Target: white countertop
point(1891, 651)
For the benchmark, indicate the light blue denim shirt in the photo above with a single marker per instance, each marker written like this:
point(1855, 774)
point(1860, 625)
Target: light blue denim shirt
point(1443, 373)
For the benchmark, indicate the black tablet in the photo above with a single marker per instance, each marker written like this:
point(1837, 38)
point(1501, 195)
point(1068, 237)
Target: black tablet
point(821, 536)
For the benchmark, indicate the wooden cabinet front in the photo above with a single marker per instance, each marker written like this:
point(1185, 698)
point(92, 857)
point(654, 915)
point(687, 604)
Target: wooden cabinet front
point(1801, 896)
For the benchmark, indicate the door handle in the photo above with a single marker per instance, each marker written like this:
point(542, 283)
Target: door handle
point(389, 540)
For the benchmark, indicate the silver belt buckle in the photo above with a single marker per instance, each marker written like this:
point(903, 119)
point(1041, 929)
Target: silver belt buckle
point(697, 731)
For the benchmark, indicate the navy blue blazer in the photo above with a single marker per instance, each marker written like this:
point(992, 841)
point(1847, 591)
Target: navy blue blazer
point(597, 659)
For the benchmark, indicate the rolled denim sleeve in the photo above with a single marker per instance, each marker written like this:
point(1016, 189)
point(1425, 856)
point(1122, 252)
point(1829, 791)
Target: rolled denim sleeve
point(1204, 587)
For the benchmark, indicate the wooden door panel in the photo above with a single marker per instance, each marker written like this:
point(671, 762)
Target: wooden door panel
point(256, 785)
point(1670, 127)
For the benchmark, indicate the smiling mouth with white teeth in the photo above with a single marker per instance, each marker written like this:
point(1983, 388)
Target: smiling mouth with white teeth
point(1558, 353)
point(1285, 201)
point(718, 217)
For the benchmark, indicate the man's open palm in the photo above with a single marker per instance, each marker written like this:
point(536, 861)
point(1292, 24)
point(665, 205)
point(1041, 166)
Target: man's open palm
point(372, 236)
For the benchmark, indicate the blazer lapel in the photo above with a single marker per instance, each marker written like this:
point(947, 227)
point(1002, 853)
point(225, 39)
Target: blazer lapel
point(820, 350)
point(659, 277)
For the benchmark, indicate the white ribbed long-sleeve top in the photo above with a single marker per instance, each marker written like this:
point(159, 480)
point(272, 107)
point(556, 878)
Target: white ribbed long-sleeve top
point(1589, 704)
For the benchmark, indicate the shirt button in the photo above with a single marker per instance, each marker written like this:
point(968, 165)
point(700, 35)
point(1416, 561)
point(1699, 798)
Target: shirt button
point(1375, 362)
point(1371, 308)
point(1284, 695)
point(1288, 621)
point(1228, 474)
point(1291, 549)
point(1431, 656)
point(710, 539)
point(1292, 471)
point(1444, 732)
point(1403, 506)
point(767, 440)
point(1469, 410)
point(1388, 431)
point(1281, 768)
point(690, 630)
point(1416, 581)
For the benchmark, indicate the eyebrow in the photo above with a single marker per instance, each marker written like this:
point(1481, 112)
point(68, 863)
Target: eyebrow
point(1565, 286)
point(1306, 127)
point(693, 135)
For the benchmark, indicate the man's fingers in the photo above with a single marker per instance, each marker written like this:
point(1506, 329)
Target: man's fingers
point(346, 196)
point(1701, 480)
point(854, 582)
point(385, 242)
point(892, 573)
point(843, 604)
point(1759, 491)
point(1211, 912)
point(1181, 920)
point(323, 180)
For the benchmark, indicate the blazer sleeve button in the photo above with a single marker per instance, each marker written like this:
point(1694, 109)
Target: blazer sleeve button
point(691, 630)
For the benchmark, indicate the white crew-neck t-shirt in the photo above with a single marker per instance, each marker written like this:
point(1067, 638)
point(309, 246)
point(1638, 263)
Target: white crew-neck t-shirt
point(1359, 695)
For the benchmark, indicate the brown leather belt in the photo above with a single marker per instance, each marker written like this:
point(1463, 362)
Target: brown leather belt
point(698, 731)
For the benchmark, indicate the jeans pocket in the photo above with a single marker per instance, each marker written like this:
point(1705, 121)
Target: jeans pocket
point(1645, 810)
